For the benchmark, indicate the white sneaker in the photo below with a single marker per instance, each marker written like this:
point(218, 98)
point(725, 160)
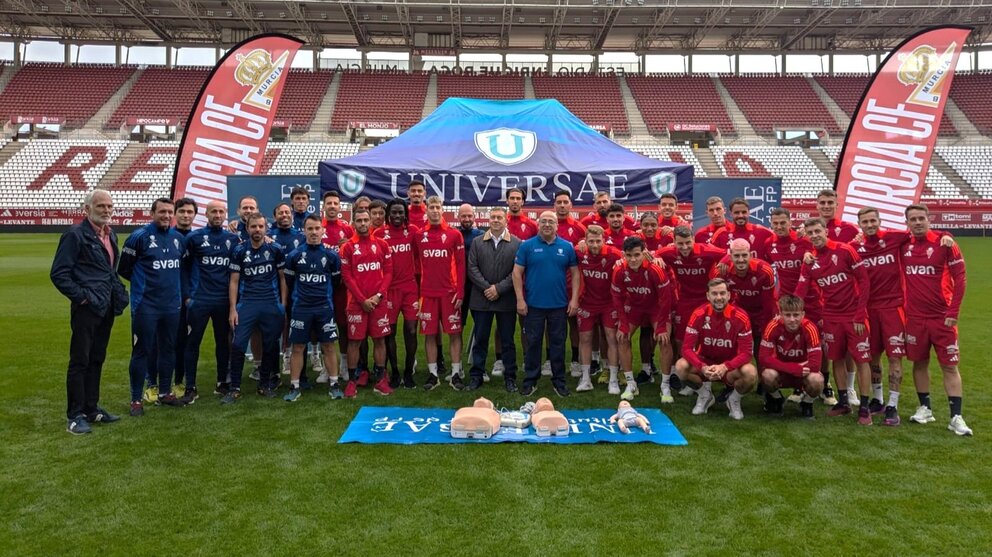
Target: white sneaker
point(703, 402)
point(923, 415)
point(614, 388)
point(631, 391)
point(485, 377)
point(666, 397)
point(345, 376)
point(285, 364)
point(829, 399)
point(546, 368)
point(584, 385)
point(316, 362)
point(576, 369)
point(254, 375)
point(734, 404)
point(686, 391)
point(795, 397)
point(498, 368)
point(322, 378)
point(958, 426)
point(852, 398)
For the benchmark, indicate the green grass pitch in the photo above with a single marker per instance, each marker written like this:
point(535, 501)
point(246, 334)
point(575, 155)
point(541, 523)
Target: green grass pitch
point(267, 478)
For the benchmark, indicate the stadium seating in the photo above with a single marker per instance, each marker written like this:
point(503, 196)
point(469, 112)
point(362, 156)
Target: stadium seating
point(479, 87)
point(303, 93)
point(773, 102)
point(972, 164)
point(937, 186)
point(595, 99)
point(55, 173)
point(160, 93)
point(674, 153)
point(379, 97)
point(846, 91)
point(678, 99)
point(970, 92)
point(800, 176)
point(73, 92)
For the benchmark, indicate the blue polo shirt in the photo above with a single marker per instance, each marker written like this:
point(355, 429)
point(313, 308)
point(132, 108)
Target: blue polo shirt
point(546, 266)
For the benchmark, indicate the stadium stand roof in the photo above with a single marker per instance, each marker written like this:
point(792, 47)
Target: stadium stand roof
point(451, 26)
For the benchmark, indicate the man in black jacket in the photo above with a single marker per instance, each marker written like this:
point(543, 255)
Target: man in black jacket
point(490, 270)
point(85, 271)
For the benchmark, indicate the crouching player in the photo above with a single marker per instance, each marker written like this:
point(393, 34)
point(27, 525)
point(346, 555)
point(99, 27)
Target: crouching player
point(312, 273)
point(790, 357)
point(643, 297)
point(717, 347)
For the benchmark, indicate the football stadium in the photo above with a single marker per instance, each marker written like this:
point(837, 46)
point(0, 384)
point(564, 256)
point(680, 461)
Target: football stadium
point(765, 321)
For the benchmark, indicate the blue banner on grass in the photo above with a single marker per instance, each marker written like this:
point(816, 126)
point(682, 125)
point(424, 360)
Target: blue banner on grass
point(409, 426)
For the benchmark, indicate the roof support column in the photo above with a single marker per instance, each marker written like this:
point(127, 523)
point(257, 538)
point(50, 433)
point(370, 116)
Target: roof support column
point(365, 60)
point(830, 65)
point(168, 57)
point(688, 61)
point(784, 57)
point(737, 64)
point(117, 55)
point(502, 63)
point(67, 57)
point(17, 53)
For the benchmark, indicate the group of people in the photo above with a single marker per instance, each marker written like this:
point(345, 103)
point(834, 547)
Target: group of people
point(735, 303)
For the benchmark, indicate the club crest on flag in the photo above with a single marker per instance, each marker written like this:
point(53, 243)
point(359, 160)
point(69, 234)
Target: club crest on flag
point(507, 146)
point(662, 183)
point(351, 182)
point(259, 71)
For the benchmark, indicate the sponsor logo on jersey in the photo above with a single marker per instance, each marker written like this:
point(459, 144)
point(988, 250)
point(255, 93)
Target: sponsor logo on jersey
point(166, 264)
point(435, 253)
point(921, 270)
point(368, 267)
point(316, 278)
point(879, 260)
point(718, 342)
point(829, 280)
point(215, 260)
point(354, 318)
point(258, 270)
point(295, 324)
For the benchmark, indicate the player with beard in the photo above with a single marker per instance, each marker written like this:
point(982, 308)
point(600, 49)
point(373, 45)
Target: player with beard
point(741, 228)
point(717, 347)
point(519, 224)
point(753, 286)
point(417, 211)
point(208, 265)
point(257, 294)
point(336, 232)
point(841, 276)
point(651, 233)
point(367, 270)
point(598, 215)
point(403, 290)
point(668, 203)
point(691, 262)
point(378, 211)
point(615, 233)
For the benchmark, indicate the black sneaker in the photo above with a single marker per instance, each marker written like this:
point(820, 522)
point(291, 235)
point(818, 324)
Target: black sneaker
point(78, 425)
point(267, 392)
point(724, 395)
point(408, 382)
point(168, 400)
point(431, 383)
point(511, 385)
point(101, 416)
point(674, 383)
point(644, 377)
point(806, 410)
point(231, 397)
point(456, 382)
point(594, 368)
point(528, 390)
point(394, 379)
point(137, 409)
point(474, 384)
point(561, 390)
point(876, 406)
point(222, 389)
point(190, 396)
point(774, 405)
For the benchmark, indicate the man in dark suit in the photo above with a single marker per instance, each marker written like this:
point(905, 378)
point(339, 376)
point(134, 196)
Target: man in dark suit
point(85, 271)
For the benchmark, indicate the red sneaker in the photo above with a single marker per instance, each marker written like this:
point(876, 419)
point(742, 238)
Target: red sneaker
point(382, 387)
point(864, 416)
point(350, 390)
point(363, 379)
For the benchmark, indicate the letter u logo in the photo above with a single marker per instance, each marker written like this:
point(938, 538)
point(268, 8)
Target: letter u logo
point(506, 146)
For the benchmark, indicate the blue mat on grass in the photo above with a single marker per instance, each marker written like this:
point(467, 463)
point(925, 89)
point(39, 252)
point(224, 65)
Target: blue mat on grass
point(409, 426)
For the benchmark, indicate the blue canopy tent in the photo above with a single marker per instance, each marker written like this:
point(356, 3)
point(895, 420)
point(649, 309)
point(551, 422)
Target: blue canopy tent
point(472, 151)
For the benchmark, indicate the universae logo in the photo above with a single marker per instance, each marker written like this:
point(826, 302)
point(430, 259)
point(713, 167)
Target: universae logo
point(351, 182)
point(506, 146)
point(662, 183)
